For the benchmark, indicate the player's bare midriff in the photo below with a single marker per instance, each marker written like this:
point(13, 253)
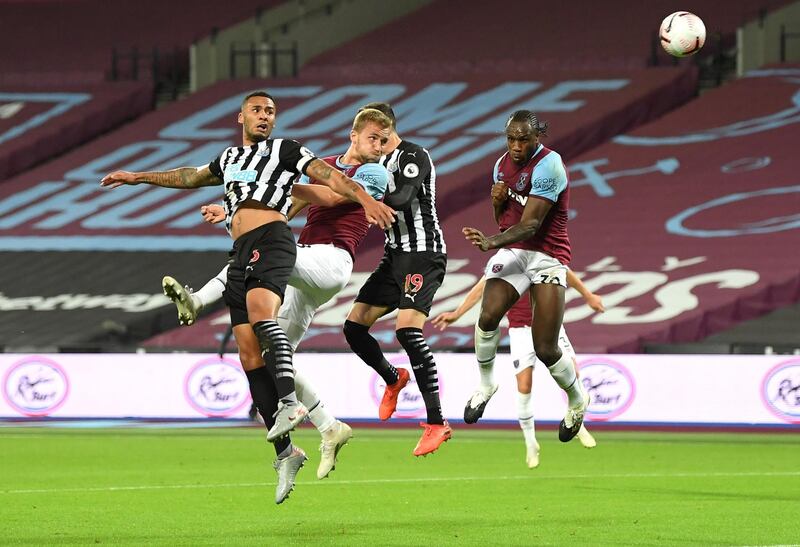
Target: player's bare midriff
point(250, 215)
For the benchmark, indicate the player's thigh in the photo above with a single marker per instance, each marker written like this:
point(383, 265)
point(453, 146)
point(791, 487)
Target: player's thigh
point(548, 300)
point(410, 318)
point(272, 252)
point(321, 269)
point(498, 297)
point(419, 275)
point(521, 348)
point(366, 314)
point(509, 265)
point(296, 314)
point(379, 294)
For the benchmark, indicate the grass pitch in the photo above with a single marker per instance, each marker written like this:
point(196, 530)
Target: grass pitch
point(216, 487)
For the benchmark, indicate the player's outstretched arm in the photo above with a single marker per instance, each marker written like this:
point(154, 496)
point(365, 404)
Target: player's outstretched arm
point(443, 320)
point(184, 177)
point(592, 300)
point(317, 195)
point(376, 212)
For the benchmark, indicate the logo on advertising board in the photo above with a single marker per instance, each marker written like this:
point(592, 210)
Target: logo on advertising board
point(409, 402)
point(780, 391)
point(217, 387)
point(610, 386)
point(35, 386)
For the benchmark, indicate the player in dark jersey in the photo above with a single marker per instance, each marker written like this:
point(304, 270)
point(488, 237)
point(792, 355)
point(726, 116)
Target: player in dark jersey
point(258, 179)
point(333, 230)
point(407, 278)
point(530, 200)
point(523, 356)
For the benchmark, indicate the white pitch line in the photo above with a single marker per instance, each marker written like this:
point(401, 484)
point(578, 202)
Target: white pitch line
point(532, 476)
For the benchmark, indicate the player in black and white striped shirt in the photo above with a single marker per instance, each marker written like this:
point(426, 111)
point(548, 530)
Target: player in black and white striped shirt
point(258, 179)
point(411, 271)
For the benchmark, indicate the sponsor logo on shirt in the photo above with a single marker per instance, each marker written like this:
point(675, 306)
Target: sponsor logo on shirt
point(544, 184)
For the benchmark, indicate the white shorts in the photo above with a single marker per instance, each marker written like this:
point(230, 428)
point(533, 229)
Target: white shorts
point(523, 268)
point(522, 354)
point(319, 273)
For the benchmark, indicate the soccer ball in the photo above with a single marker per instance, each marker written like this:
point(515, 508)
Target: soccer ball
point(682, 33)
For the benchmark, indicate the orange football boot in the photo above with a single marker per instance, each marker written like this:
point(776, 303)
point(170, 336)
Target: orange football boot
point(389, 401)
point(433, 437)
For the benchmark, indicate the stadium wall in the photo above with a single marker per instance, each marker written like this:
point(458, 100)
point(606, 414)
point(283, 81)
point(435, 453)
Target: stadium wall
point(312, 26)
point(758, 42)
point(689, 391)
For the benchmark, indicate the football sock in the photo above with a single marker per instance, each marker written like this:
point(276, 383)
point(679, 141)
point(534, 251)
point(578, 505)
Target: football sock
point(286, 450)
point(277, 354)
point(563, 372)
point(212, 291)
point(365, 346)
point(317, 413)
point(525, 414)
point(424, 368)
point(265, 397)
point(485, 352)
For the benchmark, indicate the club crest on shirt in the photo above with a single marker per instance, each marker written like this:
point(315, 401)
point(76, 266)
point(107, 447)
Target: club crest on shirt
point(263, 152)
point(523, 180)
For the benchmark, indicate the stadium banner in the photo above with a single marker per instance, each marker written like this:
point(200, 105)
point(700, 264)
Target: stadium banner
point(651, 390)
point(39, 123)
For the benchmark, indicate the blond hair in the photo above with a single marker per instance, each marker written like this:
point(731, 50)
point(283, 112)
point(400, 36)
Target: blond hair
point(371, 115)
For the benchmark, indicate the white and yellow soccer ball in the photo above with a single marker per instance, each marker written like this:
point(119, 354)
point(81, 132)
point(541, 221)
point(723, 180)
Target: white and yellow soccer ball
point(682, 34)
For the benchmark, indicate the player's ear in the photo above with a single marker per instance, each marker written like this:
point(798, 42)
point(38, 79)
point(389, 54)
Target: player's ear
point(240, 118)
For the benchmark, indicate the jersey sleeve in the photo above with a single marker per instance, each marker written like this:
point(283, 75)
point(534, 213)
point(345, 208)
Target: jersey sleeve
point(295, 157)
point(303, 179)
point(413, 167)
point(549, 178)
point(216, 165)
point(374, 178)
point(496, 171)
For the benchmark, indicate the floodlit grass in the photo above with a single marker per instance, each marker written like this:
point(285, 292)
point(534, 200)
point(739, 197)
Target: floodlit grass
point(216, 486)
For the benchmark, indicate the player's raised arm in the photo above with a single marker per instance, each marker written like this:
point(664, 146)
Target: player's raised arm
point(377, 212)
point(184, 177)
point(443, 320)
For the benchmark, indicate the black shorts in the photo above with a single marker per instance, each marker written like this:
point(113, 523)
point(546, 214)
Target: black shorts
point(405, 280)
point(264, 258)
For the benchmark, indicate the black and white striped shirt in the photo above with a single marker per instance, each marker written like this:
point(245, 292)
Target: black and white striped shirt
point(264, 172)
point(417, 228)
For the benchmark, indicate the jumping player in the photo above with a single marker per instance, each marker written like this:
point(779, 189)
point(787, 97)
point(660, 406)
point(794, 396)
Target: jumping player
point(531, 209)
point(258, 179)
point(411, 271)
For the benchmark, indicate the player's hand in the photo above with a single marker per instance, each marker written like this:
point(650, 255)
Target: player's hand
point(499, 193)
point(476, 237)
point(595, 302)
point(443, 320)
point(118, 178)
point(379, 213)
point(213, 213)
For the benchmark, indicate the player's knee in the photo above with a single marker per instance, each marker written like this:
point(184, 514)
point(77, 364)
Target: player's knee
point(488, 321)
point(409, 338)
point(354, 333)
point(524, 385)
point(547, 353)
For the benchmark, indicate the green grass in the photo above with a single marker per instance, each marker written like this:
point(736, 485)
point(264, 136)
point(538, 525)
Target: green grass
point(215, 486)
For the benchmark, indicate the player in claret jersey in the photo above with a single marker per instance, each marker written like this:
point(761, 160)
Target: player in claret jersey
point(530, 200)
